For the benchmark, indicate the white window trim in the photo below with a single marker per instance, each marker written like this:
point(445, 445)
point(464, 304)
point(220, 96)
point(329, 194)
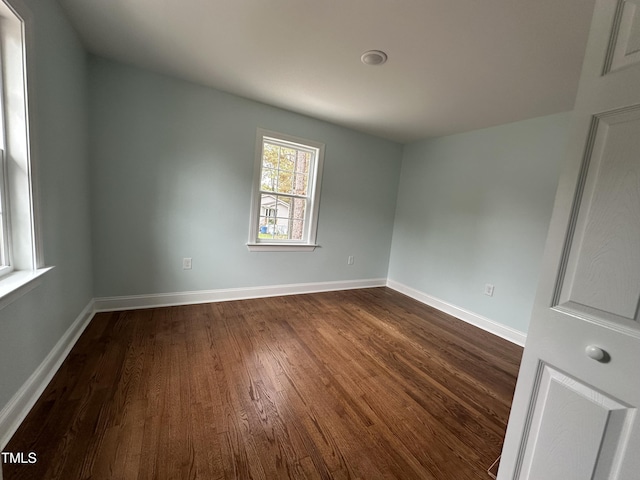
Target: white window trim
point(311, 222)
point(5, 252)
point(17, 283)
point(24, 242)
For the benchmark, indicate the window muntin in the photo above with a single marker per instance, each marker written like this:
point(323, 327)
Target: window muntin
point(286, 190)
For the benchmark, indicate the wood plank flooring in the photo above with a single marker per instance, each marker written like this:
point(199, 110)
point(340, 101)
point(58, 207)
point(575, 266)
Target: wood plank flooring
point(359, 384)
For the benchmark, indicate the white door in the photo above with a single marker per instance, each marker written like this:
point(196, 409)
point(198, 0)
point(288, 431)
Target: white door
point(575, 411)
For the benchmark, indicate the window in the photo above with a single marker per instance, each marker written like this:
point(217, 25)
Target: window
point(284, 211)
point(20, 253)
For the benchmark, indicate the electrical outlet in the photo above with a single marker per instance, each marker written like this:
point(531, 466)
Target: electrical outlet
point(186, 263)
point(350, 260)
point(488, 289)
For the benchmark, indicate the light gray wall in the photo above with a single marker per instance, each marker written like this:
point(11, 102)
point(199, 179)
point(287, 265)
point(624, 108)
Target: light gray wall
point(31, 325)
point(474, 208)
point(172, 166)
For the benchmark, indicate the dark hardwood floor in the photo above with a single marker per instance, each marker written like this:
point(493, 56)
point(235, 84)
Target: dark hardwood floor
point(356, 384)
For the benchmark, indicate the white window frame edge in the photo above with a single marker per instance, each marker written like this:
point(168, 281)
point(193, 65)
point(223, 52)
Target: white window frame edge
point(311, 219)
point(25, 242)
point(5, 253)
point(5, 248)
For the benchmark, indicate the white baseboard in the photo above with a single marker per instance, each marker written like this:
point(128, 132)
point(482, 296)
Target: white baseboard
point(491, 326)
point(110, 304)
point(13, 414)
point(134, 302)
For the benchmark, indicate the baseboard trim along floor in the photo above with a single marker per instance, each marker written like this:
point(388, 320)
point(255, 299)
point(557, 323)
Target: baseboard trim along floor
point(13, 414)
point(479, 321)
point(134, 302)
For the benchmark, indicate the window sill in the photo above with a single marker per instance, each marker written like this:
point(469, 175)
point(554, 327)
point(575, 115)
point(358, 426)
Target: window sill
point(281, 247)
point(16, 284)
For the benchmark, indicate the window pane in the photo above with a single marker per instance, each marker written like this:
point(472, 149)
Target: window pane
point(285, 182)
point(268, 180)
point(270, 154)
point(281, 229)
point(303, 162)
point(284, 207)
point(297, 216)
point(287, 159)
point(268, 205)
point(265, 230)
point(300, 182)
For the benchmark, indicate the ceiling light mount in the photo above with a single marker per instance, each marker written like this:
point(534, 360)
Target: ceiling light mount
point(373, 57)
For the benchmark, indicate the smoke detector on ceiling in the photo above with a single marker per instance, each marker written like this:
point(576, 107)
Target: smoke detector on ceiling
point(373, 57)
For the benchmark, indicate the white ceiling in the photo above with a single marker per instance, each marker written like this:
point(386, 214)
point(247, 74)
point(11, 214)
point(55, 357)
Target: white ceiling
point(454, 65)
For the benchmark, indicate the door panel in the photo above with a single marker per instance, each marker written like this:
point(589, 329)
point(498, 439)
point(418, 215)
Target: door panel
point(602, 278)
point(625, 41)
point(566, 409)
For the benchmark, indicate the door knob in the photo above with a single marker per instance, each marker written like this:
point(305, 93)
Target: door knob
point(596, 353)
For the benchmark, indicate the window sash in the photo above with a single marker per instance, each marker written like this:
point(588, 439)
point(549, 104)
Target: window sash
point(289, 219)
